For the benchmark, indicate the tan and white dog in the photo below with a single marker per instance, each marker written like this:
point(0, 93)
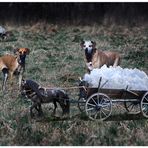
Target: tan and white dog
point(13, 64)
point(96, 58)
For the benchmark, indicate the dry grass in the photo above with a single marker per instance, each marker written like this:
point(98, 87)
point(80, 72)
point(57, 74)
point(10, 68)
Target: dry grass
point(56, 60)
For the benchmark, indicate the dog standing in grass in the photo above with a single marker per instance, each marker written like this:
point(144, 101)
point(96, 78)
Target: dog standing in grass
point(10, 65)
point(96, 58)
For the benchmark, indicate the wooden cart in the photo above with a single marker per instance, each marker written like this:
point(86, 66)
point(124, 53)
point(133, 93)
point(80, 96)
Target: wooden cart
point(98, 102)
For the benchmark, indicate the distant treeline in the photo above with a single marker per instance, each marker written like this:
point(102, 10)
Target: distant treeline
point(74, 12)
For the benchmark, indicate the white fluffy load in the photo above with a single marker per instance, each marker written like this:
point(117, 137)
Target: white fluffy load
point(118, 78)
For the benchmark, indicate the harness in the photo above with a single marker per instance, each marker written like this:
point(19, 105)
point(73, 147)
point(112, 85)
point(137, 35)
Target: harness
point(44, 91)
point(30, 95)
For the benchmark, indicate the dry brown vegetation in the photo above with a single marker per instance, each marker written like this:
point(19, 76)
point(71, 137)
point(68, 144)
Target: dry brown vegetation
point(57, 60)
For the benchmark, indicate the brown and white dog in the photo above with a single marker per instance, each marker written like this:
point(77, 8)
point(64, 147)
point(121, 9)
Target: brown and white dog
point(96, 58)
point(10, 64)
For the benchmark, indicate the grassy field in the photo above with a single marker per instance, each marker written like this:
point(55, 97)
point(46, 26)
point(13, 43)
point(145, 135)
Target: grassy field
point(56, 59)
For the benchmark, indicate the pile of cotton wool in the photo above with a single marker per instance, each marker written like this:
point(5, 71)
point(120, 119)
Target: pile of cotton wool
point(118, 78)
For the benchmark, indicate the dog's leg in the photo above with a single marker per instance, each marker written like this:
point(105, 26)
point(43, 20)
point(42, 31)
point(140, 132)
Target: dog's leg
point(55, 107)
point(31, 108)
point(116, 62)
point(5, 77)
point(20, 80)
point(11, 78)
point(21, 70)
point(63, 106)
point(40, 112)
point(67, 105)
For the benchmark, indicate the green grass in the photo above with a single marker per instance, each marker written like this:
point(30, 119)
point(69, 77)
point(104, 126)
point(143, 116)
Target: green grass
point(56, 59)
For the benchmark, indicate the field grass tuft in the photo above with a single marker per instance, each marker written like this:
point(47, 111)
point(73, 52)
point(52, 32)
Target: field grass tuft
point(57, 60)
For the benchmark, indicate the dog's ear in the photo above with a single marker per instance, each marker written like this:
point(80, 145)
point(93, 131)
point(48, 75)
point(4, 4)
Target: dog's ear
point(82, 43)
point(94, 44)
point(16, 50)
point(27, 51)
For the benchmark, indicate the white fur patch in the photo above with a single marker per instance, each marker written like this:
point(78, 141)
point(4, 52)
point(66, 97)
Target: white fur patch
point(88, 45)
point(89, 66)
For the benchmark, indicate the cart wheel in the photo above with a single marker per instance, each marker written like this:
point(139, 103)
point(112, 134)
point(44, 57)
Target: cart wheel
point(81, 104)
point(98, 106)
point(144, 105)
point(132, 107)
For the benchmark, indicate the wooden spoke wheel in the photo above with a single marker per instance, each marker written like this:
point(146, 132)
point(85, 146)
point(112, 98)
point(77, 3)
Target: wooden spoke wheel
point(132, 107)
point(81, 104)
point(98, 106)
point(144, 105)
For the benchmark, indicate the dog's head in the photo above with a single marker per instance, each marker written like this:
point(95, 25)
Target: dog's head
point(21, 52)
point(89, 48)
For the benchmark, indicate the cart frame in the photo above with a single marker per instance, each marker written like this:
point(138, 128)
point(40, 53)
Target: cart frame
point(98, 102)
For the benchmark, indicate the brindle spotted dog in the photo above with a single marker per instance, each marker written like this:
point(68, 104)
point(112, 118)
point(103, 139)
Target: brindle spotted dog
point(38, 95)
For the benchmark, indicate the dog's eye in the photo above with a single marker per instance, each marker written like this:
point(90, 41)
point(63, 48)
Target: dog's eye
point(90, 45)
point(84, 46)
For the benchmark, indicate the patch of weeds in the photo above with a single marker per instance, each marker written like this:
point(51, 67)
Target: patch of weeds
point(109, 140)
point(76, 30)
point(132, 125)
point(140, 43)
point(117, 40)
point(113, 130)
point(9, 48)
point(77, 39)
point(140, 142)
point(36, 77)
point(65, 125)
point(37, 137)
point(67, 78)
point(44, 48)
point(60, 124)
point(28, 35)
point(137, 58)
point(69, 58)
point(13, 35)
point(103, 37)
point(34, 69)
point(23, 127)
point(79, 139)
point(34, 37)
point(84, 117)
point(79, 70)
point(60, 38)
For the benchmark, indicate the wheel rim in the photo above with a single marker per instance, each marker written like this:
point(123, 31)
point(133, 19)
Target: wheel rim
point(144, 105)
point(81, 104)
point(98, 106)
point(132, 107)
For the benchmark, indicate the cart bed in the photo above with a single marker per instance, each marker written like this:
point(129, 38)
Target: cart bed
point(117, 93)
